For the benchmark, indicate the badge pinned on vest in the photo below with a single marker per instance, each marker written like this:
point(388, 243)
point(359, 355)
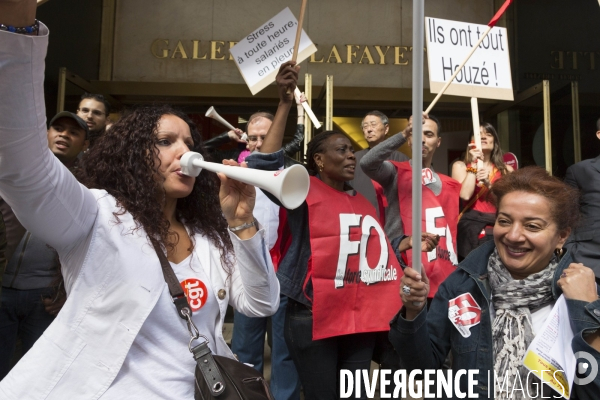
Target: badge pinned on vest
point(427, 176)
point(464, 313)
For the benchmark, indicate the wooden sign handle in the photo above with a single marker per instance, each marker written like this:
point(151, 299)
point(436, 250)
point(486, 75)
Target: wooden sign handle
point(298, 35)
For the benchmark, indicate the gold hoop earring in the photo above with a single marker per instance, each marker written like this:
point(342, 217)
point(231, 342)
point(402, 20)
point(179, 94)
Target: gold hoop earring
point(558, 252)
point(320, 167)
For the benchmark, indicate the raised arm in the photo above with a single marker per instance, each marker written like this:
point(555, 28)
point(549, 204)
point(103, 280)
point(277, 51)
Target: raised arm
point(17, 13)
point(224, 138)
point(295, 144)
point(374, 163)
point(468, 180)
point(44, 195)
point(287, 77)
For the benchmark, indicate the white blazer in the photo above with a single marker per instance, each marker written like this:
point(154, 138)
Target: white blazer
point(112, 274)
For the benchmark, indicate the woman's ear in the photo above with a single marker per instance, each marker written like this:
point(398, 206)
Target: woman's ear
point(318, 157)
point(563, 236)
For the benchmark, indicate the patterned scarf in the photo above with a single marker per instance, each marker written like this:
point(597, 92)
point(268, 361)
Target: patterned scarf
point(512, 331)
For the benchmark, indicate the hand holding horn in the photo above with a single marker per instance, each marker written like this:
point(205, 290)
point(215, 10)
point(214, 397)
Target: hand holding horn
point(237, 198)
point(290, 185)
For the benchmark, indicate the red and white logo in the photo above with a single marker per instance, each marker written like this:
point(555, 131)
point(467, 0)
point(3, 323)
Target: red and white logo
point(427, 176)
point(196, 293)
point(464, 313)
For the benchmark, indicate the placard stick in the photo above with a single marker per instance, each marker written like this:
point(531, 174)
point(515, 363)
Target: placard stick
point(298, 35)
point(299, 31)
point(476, 129)
point(491, 24)
point(308, 110)
point(449, 81)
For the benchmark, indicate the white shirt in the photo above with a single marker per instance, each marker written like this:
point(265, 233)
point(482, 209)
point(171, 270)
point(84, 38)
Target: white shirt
point(149, 371)
point(267, 213)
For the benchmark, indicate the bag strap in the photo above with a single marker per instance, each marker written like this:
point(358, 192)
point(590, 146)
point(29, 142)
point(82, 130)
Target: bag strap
point(175, 290)
point(470, 203)
point(201, 352)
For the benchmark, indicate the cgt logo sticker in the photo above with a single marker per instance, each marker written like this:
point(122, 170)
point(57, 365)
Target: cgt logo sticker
point(464, 313)
point(196, 293)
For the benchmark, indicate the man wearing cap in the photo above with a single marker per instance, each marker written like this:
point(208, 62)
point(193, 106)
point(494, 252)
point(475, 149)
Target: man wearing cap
point(30, 298)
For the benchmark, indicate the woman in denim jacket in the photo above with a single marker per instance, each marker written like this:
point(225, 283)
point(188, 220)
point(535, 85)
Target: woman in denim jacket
point(509, 287)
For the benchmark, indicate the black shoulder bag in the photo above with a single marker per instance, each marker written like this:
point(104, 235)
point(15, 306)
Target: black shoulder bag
point(216, 377)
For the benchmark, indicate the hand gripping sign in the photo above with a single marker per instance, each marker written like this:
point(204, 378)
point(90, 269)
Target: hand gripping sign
point(259, 55)
point(464, 313)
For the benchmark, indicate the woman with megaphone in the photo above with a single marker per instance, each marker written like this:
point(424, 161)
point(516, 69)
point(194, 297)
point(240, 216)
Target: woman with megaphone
point(119, 333)
point(339, 272)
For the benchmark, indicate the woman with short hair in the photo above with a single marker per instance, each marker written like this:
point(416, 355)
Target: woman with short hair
point(509, 286)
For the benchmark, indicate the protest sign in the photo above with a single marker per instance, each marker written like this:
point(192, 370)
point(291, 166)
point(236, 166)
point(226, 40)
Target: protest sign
point(549, 356)
point(260, 54)
point(485, 75)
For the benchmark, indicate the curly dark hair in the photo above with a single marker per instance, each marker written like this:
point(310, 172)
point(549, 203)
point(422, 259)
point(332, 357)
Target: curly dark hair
point(316, 145)
point(123, 162)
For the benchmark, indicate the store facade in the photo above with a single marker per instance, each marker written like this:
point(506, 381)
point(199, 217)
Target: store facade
point(177, 51)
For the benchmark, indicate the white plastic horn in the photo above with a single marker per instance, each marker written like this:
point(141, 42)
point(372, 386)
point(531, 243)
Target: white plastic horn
point(289, 185)
point(212, 113)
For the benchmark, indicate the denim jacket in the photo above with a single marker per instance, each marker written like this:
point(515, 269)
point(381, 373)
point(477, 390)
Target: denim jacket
point(425, 342)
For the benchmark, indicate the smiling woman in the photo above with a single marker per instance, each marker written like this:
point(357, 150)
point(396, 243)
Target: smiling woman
point(509, 286)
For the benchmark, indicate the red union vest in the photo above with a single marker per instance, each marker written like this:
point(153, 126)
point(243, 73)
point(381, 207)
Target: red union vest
point(440, 216)
point(354, 271)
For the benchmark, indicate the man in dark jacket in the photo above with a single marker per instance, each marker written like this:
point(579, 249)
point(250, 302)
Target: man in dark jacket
point(584, 243)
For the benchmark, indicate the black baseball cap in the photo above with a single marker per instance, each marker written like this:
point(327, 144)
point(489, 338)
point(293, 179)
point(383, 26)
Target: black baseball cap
point(75, 117)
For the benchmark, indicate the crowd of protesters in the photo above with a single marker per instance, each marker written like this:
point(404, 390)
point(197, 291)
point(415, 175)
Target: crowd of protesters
point(84, 228)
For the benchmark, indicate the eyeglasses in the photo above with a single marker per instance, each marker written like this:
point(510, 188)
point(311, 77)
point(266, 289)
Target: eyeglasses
point(95, 113)
point(372, 124)
point(255, 138)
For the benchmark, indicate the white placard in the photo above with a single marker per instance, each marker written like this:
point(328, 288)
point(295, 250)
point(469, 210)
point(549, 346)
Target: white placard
point(260, 54)
point(549, 356)
point(485, 75)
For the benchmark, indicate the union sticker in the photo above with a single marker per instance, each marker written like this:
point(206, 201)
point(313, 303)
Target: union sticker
point(427, 175)
point(464, 313)
point(196, 293)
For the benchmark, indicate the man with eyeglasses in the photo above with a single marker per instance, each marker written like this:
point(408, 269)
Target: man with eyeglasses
point(94, 110)
point(375, 127)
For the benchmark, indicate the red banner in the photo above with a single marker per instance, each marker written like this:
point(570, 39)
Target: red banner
point(440, 216)
point(354, 271)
